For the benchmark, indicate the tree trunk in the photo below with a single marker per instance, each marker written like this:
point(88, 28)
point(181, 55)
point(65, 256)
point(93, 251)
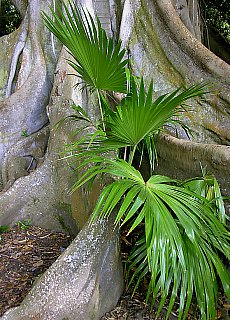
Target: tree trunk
point(160, 48)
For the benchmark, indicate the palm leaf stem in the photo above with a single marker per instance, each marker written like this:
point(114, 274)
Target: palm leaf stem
point(101, 110)
point(132, 154)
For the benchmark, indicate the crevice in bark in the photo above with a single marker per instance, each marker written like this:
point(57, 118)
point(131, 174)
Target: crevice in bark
point(12, 81)
point(219, 138)
point(15, 62)
point(24, 157)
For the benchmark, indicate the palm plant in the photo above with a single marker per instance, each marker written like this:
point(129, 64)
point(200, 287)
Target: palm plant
point(185, 230)
point(184, 222)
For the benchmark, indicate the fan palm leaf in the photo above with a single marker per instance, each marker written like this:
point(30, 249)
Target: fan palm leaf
point(96, 59)
point(183, 236)
point(140, 115)
point(137, 118)
point(208, 187)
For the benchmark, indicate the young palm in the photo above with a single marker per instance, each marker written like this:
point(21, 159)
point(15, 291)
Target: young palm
point(185, 229)
point(184, 233)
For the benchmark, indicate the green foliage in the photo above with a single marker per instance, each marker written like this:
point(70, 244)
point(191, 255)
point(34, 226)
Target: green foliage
point(217, 15)
point(24, 224)
point(183, 235)
point(97, 60)
point(185, 222)
point(138, 116)
point(134, 122)
point(208, 187)
point(10, 18)
point(4, 228)
point(182, 220)
point(24, 133)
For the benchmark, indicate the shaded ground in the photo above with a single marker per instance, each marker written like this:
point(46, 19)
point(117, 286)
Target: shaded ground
point(134, 308)
point(129, 308)
point(26, 252)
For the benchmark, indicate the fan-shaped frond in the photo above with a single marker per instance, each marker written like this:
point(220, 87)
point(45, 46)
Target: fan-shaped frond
point(96, 59)
point(183, 236)
point(139, 115)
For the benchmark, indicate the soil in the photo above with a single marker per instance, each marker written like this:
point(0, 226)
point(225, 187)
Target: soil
point(27, 251)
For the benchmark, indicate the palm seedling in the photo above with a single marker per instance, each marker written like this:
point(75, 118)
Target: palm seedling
point(185, 231)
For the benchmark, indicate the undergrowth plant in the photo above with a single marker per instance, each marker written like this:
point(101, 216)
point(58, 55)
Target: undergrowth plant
point(185, 231)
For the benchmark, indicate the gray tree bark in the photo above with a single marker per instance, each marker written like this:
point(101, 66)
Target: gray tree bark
point(161, 48)
point(87, 281)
